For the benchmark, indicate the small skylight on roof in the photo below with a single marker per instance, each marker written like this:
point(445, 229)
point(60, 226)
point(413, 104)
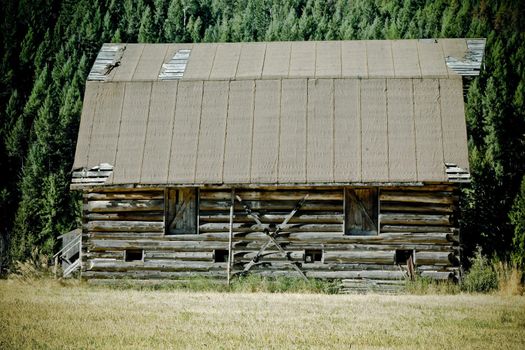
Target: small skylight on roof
point(174, 69)
point(108, 58)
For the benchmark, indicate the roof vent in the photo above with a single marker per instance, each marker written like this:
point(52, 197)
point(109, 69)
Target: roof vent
point(470, 64)
point(457, 174)
point(108, 58)
point(92, 177)
point(174, 69)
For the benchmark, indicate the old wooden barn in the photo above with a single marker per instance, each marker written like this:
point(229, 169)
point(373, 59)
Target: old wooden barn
point(333, 160)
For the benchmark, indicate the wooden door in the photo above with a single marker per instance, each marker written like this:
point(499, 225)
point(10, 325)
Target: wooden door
point(361, 211)
point(181, 216)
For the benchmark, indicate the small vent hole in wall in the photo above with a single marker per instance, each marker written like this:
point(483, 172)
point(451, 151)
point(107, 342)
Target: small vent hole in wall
point(313, 255)
point(403, 255)
point(220, 256)
point(405, 258)
point(134, 255)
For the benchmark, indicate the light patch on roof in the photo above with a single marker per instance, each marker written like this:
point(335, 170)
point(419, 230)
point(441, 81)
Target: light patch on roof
point(457, 174)
point(174, 69)
point(97, 175)
point(470, 64)
point(108, 58)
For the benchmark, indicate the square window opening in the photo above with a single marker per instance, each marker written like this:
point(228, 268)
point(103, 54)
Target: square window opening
point(220, 256)
point(313, 255)
point(134, 255)
point(404, 257)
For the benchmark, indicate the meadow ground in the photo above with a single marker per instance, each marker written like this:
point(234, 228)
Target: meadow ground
point(48, 315)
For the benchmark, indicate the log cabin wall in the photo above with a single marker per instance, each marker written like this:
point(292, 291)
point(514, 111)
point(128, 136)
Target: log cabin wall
point(125, 235)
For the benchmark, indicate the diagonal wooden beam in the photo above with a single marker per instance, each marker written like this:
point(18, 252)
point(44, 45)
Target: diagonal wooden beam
point(356, 199)
point(272, 235)
point(181, 210)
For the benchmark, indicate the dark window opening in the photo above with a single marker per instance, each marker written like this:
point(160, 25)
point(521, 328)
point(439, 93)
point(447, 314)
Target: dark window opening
point(404, 256)
point(361, 211)
point(220, 256)
point(313, 255)
point(181, 211)
point(133, 255)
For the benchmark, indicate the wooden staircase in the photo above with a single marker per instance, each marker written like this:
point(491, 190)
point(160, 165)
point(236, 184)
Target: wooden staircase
point(69, 256)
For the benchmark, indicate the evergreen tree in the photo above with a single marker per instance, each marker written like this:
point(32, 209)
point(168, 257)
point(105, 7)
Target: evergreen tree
point(517, 217)
point(174, 26)
point(146, 34)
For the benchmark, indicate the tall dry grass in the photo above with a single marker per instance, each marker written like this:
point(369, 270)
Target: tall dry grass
point(510, 279)
point(45, 315)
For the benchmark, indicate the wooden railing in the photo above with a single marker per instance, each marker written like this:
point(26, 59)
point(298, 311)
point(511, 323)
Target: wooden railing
point(73, 247)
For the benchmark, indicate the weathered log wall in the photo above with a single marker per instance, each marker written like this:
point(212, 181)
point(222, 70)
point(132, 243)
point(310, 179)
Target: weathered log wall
point(415, 220)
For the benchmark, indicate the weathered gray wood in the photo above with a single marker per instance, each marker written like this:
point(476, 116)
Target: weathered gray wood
point(160, 265)
point(436, 198)
point(435, 258)
point(414, 219)
point(105, 244)
point(374, 257)
point(194, 256)
point(137, 195)
point(126, 216)
point(277, 195)
point(125, 235)
point(152, 274)
point(414, 228)
point(330, 237)
point(280, 205)
point(212, 236)
point(128, 226)
point(422, 188)
point(335, 218)
point(230, 235)
point(379, 246)
point(384, 275)
point(405, 224)
point(272, 256)
point(336, 266)
point(348, 282)
point(223, 227)
point(105, 255)
point(416, 208)
point(125, 205)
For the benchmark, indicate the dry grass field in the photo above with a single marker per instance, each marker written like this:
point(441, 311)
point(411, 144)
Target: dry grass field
point(47, 315)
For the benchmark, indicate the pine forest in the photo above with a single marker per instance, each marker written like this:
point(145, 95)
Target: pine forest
point(49, 46)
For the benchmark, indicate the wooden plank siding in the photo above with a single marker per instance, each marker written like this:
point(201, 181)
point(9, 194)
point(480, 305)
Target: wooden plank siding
point(416, 219)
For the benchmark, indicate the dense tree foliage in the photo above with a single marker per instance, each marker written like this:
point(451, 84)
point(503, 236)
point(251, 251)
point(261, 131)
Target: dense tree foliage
point(49, 45)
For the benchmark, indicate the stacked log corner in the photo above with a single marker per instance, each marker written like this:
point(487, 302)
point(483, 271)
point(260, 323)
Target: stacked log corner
point(417, 219)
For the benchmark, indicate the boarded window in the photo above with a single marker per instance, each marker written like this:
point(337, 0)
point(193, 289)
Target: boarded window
point(181, 211)
point(361, 211)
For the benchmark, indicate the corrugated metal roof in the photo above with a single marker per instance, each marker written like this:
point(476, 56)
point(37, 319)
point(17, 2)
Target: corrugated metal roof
point(436, 58)
point(267, 131)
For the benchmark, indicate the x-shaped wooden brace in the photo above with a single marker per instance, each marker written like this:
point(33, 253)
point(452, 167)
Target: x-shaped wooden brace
point(271, 235)
point(178, 215)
